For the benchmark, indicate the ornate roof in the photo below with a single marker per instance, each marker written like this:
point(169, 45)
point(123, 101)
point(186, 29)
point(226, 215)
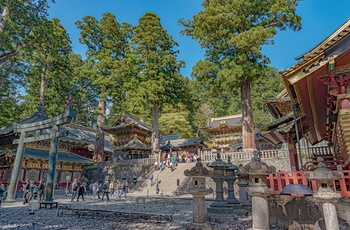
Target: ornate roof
point(320, 49)
point(85, 134)
point(38, 116)
point(125, 120)
point(178, 143)
point(164, 139)
point(44, 155)
point(135, 144)
point(230, 121)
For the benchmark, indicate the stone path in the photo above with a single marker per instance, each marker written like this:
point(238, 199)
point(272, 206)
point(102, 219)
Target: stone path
point(18, 216)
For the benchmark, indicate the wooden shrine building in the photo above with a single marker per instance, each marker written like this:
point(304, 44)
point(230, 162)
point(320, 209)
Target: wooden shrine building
point(75, 151)
point(318, 89)
point(225, 132)
point(130, 136)
point(175, 146)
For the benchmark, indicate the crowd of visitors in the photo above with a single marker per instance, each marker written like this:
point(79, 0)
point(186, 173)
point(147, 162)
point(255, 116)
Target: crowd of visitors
point(170, 161)
point(33, 192)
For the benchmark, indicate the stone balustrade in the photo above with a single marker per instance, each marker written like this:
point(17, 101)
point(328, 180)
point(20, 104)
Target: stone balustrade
point(208, 156)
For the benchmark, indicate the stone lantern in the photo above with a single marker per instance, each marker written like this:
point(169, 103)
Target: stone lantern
point(230, 176)
point(257, 188)
point(198, 190)
point(219, 209)
point(324, 178)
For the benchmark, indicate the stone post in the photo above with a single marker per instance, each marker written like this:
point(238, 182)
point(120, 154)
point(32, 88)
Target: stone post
point(199, 191)
point(51, 171)
point(11, 197)
point(257, 188)
point(243, 182)
point(325, 195)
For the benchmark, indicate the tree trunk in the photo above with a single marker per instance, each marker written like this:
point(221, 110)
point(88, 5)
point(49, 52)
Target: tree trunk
point(248, 132)
point(3, 20)
point(100, 135)
point(155, 127)
point(7, 56)
point(42, 87)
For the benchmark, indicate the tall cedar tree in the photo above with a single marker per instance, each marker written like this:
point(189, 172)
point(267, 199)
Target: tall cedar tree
point(19, 23)
point(156, 79)
point(233, 33)
point(50, 76)
point(106, 41)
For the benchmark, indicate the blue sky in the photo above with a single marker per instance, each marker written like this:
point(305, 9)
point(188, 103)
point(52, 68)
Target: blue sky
point(319, 19)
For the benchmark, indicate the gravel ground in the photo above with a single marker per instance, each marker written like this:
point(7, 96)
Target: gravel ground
point(18, 216)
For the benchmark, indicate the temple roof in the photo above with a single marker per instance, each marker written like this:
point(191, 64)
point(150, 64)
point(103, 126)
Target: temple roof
point(164, 139)
point(38, 116)
point(178, 143)
point(126, 120)
point(135, 144)
point(44, 155)
point(320, 49)
point(231, 121)
point(307, 84)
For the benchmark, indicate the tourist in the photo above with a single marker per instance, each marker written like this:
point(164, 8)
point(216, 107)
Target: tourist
point(125, 187)
point(94, 188)
point(156, 165)
point(74, 189)
point(32, 189)
point(41, 189)
point(105, 190)
point(120, 189)
point(111, 188)
point(81, 192)
point(116, 189)
point(25, 192)
point(151, 180)
point(2, 193)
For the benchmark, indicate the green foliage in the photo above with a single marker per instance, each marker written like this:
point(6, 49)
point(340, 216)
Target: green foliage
point(233, 32)
point(155, 69)
point(175, 121)
point(50, 75)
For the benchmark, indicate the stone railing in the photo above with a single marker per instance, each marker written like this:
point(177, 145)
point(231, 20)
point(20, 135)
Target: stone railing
point(208, 156)
point(141, 161)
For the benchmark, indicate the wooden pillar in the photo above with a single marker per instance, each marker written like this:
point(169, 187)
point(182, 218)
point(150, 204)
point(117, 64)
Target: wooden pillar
point(11, 197)
point(50, 181)
point(293, 156)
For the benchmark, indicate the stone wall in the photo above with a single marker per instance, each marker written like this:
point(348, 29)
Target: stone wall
point(303, 213)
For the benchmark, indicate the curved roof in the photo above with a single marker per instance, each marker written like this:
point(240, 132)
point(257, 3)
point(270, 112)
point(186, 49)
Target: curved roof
point(135, 144)
point(38, 116)
point(125, 120)
point(44, 155)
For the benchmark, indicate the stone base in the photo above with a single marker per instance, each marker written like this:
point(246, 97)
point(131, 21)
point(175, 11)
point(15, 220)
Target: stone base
point(220, 218)
point(194, 226)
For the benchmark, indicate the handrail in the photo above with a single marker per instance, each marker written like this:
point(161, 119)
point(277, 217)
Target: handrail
point(139, 183)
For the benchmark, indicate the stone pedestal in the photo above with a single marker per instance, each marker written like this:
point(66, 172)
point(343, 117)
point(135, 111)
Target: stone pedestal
point(243, 182)
point(199, 191)
point(325, 195)
point(258, 190)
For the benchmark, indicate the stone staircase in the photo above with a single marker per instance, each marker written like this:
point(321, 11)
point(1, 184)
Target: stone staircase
point(168, 181)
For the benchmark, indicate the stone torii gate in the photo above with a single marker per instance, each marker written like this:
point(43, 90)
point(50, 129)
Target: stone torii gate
point(54, 124)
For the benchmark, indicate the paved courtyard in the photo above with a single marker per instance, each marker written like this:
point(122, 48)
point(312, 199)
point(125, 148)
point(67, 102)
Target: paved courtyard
point(18, 216)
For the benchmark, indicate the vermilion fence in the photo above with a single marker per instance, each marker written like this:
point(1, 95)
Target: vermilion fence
point(277, 181)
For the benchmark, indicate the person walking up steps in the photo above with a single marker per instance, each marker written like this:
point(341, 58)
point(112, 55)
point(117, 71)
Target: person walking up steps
point(151, 180)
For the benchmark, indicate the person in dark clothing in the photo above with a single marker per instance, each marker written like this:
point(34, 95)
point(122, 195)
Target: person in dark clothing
point(2, 193)
point(105, 190)
point(25, 192)
point(41, 189)
point(81, 192)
